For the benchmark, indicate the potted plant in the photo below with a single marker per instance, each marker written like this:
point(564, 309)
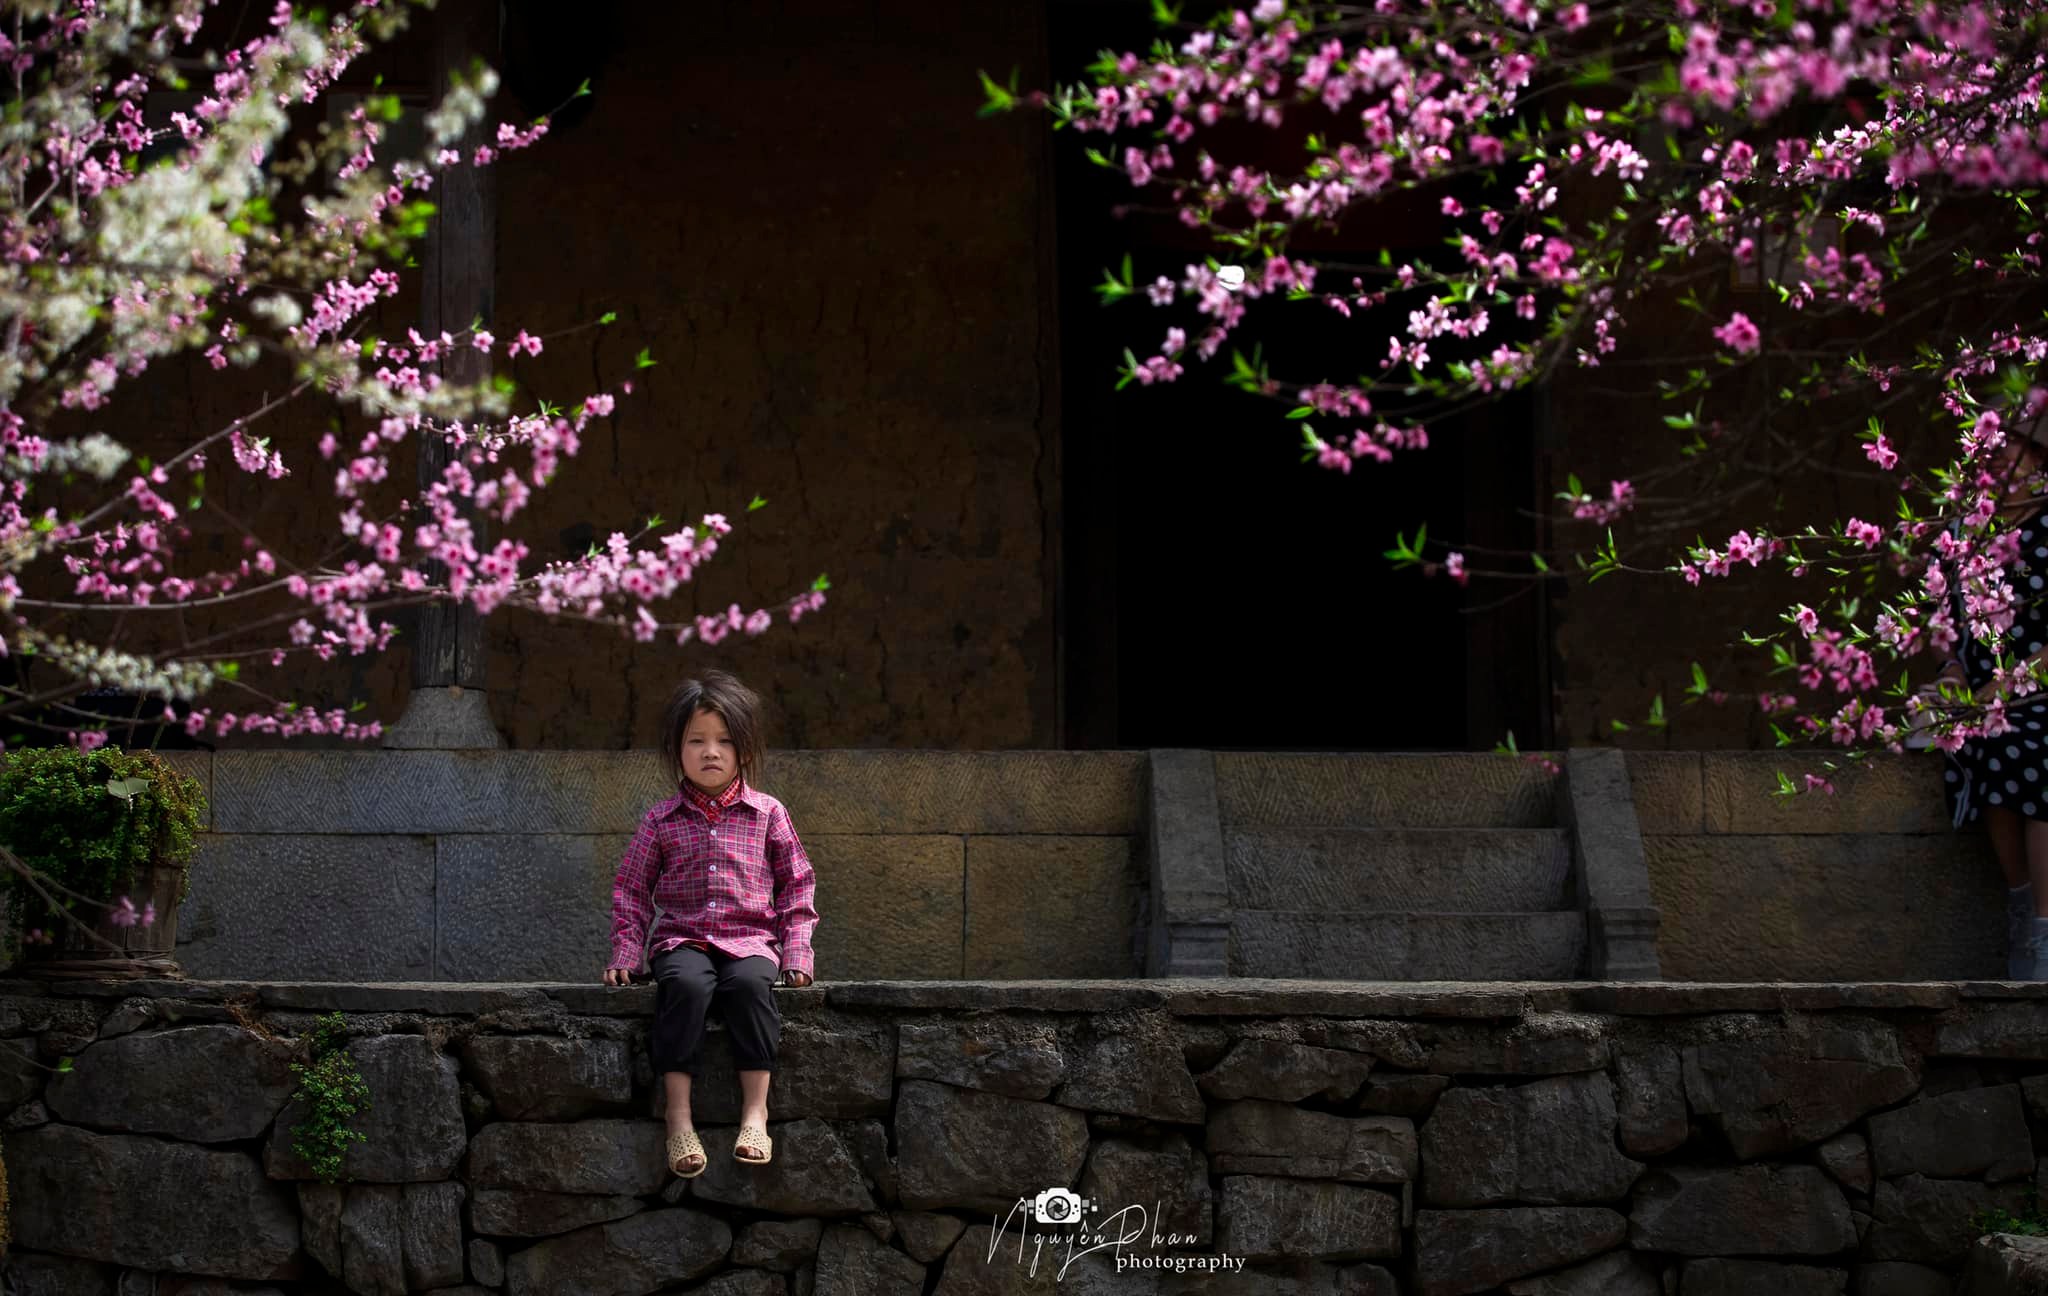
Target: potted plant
point(101, 843)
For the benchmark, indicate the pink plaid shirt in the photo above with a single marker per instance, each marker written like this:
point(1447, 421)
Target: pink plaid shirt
point(736, 879)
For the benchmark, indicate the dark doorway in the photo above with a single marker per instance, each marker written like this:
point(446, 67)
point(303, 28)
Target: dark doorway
point(1218, 591)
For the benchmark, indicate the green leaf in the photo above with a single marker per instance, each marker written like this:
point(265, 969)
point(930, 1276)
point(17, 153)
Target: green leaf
point(756, 503)
point(1130, 371)
point(64, 1066)
point(820, 585)
point(644, 360)
point(1110, 289)
point(995, 98)
point(609, 317)
point(582, 90)
point(127, 788)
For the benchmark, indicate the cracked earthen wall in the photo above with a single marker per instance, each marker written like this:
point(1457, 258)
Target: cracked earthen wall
point(837, 268)
point(841, 274)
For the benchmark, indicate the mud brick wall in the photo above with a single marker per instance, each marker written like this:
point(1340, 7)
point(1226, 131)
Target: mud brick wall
point(1363, 1140)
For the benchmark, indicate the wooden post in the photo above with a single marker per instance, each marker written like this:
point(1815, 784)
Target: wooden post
point(458, 276)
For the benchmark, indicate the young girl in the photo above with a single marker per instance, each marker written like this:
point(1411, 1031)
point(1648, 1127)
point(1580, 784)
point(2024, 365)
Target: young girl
point(735, 889)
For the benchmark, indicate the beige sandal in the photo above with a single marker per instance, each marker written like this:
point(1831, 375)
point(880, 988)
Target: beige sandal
point(754, 1138)
point(683, 1146)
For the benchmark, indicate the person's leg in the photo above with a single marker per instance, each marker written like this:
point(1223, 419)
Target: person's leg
point(2007, 832)
point(746, 999)
point(684, 985)
point(2028, 907)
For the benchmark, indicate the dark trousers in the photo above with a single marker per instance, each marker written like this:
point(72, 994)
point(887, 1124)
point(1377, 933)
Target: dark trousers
point(687, 982)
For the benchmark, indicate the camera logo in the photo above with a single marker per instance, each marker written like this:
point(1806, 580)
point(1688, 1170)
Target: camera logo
point(1059, 1206)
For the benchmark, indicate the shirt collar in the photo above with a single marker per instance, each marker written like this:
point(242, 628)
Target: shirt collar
point(738, 791)
point(728, 794)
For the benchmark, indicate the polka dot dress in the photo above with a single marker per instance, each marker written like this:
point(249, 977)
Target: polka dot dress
point(2010, 770)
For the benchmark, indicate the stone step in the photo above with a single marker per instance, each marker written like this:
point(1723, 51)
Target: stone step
point(1442, 870)
point(1384, 790)
point(1380, 946)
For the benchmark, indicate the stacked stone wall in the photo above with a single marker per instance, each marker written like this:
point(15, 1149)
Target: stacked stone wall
point(1628, 1140)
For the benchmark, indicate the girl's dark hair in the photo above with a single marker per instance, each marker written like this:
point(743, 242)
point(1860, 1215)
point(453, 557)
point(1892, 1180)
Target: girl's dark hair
point(726, 698)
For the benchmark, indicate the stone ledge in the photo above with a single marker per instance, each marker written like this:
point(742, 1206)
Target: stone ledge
point(1178, 997)
point(850, 791)
point(1882, 795)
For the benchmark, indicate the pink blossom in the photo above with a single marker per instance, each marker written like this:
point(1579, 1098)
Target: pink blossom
point(1738, 334)
point(1742, 547)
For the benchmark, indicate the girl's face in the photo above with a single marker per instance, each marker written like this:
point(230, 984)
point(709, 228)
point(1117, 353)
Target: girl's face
point(709, 757)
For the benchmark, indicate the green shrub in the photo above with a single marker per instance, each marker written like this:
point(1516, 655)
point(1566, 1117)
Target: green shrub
point(90, 821)
point(334, 1092)
point(2029, 1223)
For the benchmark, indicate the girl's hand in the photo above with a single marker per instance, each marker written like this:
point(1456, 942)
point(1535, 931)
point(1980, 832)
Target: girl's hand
point(797, 978)
point(617, 977)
